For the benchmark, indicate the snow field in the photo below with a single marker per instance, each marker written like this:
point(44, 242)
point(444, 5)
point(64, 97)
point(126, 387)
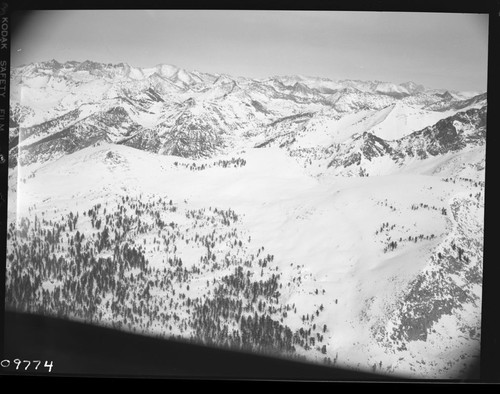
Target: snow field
point(321, 232)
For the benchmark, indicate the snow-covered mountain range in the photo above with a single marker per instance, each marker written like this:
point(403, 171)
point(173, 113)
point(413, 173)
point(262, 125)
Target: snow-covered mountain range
point(336, 220)
point(60, 108)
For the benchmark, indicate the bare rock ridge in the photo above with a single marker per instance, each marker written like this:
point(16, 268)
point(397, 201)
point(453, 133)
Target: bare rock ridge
point(190, 114)
point(338, 222)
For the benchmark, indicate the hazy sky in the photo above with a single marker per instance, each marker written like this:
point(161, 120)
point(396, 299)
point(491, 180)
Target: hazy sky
point(438, 50)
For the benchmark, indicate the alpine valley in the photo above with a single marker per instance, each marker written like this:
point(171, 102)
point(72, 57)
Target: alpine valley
point(334, 221)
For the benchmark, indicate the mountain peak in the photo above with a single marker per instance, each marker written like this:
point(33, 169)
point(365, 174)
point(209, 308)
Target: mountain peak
point(301, 88)
point(89, 65)
point(412, 87)
point(53, 63)
point(166, 70)
point(447, 96)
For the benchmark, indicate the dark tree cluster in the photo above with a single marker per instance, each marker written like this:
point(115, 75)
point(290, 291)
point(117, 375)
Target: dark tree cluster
point(468, 180)
point(475, 183)
point(239, 284)
point(311, 154)
point(30, 176)
point(311, 335)
point(96, 265)
point(385, 203)
point(415, 207)
point(226, 321)
point(392, 244)
point(460, 253)
point(363, 172)
point(420, 237)
point(228, 216)
point(385, 226)
point(223, 163)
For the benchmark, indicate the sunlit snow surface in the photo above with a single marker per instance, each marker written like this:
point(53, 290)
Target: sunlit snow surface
point(413, 310)
point(320, 229)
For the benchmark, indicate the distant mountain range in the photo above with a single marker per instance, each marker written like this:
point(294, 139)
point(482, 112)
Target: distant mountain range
point(59, 108)
point(144, 198)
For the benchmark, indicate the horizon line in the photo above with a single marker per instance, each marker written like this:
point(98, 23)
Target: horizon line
point(426, 88)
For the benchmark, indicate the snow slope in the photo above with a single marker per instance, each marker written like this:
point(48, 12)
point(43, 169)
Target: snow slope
point(368, 195)
point(325, 232)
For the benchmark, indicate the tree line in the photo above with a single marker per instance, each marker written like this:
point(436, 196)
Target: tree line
point(97, 265)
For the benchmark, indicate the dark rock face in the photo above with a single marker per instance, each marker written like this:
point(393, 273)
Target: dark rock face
point(192, 136)
point(375, 146)
point(72, 136)
point(445, 136)
point(362, 147)
point(445, 96)
point(201, 127)
point(56, 145)
point(58, 123)
point(448, 103)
